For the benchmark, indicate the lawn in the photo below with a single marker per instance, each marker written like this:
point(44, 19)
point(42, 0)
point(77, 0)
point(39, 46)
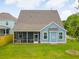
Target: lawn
point(38, 51)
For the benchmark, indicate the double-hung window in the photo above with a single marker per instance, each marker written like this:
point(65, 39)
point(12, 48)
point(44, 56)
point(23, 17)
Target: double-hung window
point(60, 35)
point(45, 35)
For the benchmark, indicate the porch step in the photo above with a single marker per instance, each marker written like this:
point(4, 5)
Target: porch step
point(35, 42)
point(18, 41)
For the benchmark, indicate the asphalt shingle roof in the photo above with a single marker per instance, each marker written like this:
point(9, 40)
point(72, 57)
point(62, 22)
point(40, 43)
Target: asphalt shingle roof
point(35, 20)
point(6, 16)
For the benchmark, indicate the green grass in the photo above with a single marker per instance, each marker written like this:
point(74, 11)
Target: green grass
point(38, 51)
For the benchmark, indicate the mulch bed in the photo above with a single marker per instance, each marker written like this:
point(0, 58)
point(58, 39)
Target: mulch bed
point(72, 52)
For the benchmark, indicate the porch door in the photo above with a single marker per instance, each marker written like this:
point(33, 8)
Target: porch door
point(53, 36)
point(36, 37)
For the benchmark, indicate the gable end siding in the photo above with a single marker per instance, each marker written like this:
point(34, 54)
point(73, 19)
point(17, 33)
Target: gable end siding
point(46, 29)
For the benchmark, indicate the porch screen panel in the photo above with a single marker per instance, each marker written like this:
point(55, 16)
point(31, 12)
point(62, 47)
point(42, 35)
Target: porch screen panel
point(24, 35)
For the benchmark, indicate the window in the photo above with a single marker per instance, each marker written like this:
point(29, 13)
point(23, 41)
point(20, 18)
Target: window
point(6, 23)
point(24, 35)
point(45, 35)
point(60, 35)
point(7, 31)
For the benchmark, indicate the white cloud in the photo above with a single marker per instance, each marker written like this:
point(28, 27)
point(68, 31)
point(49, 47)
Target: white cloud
point(10, 1)
point(23, 4)
point(66, 13)
point(69, 11)
point(6, 11)
point(26, 4)
point(76, 4)
point(56, 2)
point(34, 4)
point(44, 4)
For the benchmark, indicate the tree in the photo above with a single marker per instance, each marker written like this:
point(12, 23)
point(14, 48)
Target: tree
point(72, 25)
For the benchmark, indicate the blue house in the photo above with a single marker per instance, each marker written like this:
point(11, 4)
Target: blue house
point(7, 23)
point(39, 26)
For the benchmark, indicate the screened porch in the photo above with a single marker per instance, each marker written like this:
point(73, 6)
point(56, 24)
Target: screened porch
point(26, 37)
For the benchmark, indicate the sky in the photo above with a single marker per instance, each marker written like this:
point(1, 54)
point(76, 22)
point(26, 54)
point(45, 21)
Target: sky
point(64, 7)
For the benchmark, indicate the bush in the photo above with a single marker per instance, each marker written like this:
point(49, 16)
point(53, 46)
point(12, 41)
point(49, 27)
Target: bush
point(5, 39)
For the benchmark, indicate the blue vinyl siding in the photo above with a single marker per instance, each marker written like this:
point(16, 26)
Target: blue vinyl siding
point(51, 34)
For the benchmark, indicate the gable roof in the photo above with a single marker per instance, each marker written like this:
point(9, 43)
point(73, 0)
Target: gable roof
point(6, 16)
point(35, 20)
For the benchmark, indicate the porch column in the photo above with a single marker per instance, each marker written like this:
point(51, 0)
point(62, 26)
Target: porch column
point(5, 31)
point(0, 32)
point(13, 38)
point(27, 37)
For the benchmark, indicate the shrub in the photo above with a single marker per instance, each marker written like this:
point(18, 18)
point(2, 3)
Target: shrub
point(5, 39)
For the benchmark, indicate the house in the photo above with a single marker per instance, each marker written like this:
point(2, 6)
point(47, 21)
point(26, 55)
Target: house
point(7, 23)
point(39, 26)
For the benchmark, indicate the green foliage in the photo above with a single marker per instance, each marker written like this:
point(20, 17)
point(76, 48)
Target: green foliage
point(72, 25)
point(63, 22)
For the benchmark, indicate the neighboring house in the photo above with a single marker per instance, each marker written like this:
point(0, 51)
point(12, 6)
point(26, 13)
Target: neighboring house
point(39, 26)
point(7, 23)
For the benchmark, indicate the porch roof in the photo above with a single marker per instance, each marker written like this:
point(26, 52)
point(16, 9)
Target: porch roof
point(30, 27)
point(3, 27)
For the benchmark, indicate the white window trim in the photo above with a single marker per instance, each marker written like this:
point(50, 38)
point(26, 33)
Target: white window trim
point(47, 35)
point(62, 35)
point(34, 37)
